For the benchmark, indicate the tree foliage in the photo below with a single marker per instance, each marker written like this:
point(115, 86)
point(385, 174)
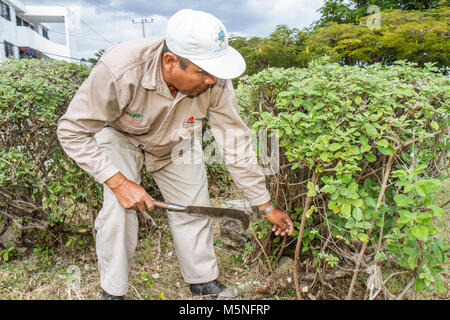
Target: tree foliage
point(340, 11)
point(386, 36)
point(282, 48)
point(412, 35)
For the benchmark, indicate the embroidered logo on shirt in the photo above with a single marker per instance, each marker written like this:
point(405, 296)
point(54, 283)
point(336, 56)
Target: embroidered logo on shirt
point(135, 118)
point(190, 120)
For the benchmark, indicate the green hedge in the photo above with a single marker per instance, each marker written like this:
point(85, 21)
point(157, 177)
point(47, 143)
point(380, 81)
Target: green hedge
point(43, 193)
point(363, 152)
point(40, 187)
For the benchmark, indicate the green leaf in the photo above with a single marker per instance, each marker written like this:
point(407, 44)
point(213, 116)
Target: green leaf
point(371, 157)
point(420, 284)
point(358, 100)
point(365, 147)
point(346, 209)
point(419, 191)
point(357, 214)
point(359, 203)
point(434, 125)
point(406, 217)
point(370, 130)
point(408, 188)
point(440, 255)
point(310, 211)
point(311, 190)
point(402, 201)
point(429, 185)
point(350, 223)
point(412, 261)
point(437, 211)
point(328, 188)
point(383, 143)
point(363, 237)
point(386, 151)
point(420, 232)
point(366, 225)
point(346, 178)
point(370, 202)
point(334, 147)
point(324, 156)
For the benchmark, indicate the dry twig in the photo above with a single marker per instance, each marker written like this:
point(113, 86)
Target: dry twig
point(300, 237)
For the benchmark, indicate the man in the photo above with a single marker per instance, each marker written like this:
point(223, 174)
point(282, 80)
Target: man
point(141, 100)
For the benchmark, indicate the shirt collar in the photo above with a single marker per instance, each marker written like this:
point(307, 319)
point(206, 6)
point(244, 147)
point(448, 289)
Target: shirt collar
point(153, 78)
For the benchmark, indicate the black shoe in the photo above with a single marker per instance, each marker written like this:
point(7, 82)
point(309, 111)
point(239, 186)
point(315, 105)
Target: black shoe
point(107, 296)
point(209, 288)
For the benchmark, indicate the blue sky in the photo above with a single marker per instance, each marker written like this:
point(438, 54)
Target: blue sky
point(103, 23)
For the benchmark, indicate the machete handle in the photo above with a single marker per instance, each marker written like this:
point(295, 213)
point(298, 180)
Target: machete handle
point(168, 206)
point(159, 204)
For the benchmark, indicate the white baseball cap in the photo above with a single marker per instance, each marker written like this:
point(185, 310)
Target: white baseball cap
point(202, 39)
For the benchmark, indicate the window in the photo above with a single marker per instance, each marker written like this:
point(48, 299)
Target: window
point(9, 49)
point(4, 11)
point(27, 52)
point(45, 33)
point(21, 22)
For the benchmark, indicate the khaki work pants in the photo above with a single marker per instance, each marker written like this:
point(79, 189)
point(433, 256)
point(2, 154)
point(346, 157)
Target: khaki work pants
point(184, 184)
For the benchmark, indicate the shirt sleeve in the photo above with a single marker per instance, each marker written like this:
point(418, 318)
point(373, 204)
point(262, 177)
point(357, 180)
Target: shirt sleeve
point(234, 141)
point(94, 104)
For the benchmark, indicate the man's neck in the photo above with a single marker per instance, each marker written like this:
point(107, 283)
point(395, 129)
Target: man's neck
point(166, 77)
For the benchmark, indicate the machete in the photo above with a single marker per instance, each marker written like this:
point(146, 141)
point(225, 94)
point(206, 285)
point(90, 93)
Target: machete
point(239, 215)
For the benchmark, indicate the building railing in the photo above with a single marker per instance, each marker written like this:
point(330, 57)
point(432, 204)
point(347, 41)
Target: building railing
point(26, 37)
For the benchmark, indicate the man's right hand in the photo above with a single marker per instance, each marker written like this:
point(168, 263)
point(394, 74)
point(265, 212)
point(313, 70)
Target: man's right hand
point(129, 194)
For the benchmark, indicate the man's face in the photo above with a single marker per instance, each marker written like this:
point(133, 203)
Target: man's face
point(191, 81)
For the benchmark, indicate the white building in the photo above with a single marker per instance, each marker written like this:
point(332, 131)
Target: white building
point(24, 32)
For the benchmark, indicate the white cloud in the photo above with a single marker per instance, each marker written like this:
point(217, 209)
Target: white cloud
point(293, 13)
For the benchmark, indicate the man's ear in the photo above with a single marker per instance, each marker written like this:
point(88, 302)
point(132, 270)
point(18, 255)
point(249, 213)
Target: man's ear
point(170, 62)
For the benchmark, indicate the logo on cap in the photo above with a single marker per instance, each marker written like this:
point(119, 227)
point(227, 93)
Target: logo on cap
point(222, 37)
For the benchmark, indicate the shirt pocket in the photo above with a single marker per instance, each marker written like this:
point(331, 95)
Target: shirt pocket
point(190, 129)
point(132, 123)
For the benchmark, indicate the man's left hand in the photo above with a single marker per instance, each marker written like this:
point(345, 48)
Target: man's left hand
point(282, 223)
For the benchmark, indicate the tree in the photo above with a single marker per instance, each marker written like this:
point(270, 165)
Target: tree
point(399, 4)
point(282, 48)
point(335, 11)
point(403, 35)
point(352, 11)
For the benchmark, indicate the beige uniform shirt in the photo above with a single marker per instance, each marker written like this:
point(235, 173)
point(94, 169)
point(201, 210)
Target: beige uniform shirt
point(126, 90)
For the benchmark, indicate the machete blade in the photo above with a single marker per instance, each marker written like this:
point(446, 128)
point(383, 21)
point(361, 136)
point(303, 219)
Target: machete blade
point(241, 216)
point(235, 214)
